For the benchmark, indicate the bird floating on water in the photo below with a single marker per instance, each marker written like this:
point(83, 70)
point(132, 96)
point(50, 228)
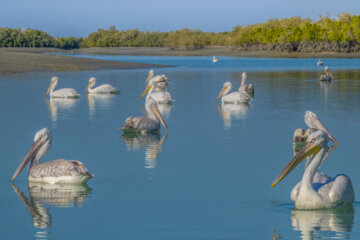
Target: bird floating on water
point(55, 171)
point(327, 76)
point(102, 89)
point(146, 124)
point(214, 59)
point(320, 63)
point(248, 88)
point(317, 190)
point(159, 95)
point(161, 80)
point(60, 93)
point(234, 97)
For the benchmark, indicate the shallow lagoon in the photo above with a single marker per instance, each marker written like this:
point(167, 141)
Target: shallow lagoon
point(210, 178)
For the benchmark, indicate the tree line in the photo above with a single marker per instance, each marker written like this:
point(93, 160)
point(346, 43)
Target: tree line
point(295, 32)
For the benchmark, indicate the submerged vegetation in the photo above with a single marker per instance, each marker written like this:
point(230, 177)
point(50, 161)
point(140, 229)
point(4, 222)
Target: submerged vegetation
point(294, 34)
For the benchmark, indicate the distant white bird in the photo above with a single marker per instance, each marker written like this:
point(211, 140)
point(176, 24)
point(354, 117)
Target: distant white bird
point(160, 96)
point(214, 59)
point(60, 93)
point(320, 194)
point(102, 89)
point(55, 171)
point(327, 76)
point(234, 97)
point(149, 123)
point(248, 88)
point(320, 63)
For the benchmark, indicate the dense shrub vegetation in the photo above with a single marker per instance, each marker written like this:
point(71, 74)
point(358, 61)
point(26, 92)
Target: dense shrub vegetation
point(288, 34)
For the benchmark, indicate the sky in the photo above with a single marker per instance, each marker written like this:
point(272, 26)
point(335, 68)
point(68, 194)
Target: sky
point(78, 18)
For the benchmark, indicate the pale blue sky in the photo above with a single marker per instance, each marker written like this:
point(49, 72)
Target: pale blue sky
point(80, 17)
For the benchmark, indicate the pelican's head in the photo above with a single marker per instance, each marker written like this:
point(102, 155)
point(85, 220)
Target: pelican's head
point(53, 83)
point(327, 71)
point(226, 88)
point(244, 75)
point(40, 146)
point(152, 105)
point(312, 121)
point(151, 74)
point(314, 143)
point(92, 82)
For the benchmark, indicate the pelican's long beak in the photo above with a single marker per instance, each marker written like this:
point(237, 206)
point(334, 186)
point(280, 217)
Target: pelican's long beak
point(146, 90)
point(87, 88)
point(148, 78)
point(307, 150)
point(319, 125)
point(158, 115)
point(29, 156)
point(48, 90)
point(332, 77)
point(220, 93)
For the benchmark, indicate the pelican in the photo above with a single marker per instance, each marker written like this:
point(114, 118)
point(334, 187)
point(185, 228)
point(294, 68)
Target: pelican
point(60, 93)
point(161, 97)
point(246, 87)
point(319, 63)
point(327, 76)
point(234, 97)
point(55, 171)
point(161, 80)
point(150, 123)
point(214, 59)
point(309, 195)
point(102, 89)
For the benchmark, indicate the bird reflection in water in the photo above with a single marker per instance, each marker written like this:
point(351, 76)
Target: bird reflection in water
point(326, 86)
point(102, 100)
point(62, 104)
point(151, 142)
point(40, 195)
point(232, 111)
point(323, 224)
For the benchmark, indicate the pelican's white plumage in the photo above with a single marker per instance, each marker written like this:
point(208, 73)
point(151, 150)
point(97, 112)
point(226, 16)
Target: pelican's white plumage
point(234, 97)
point(323, 192)
point(214, 59)
point(102, 89)
point(327, 76)
point(144, 124)
point(161, 96)
point(60, 93)
point(55, 171)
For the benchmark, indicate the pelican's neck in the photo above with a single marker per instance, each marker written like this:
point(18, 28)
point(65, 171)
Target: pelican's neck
point(53, 86)
point(42, 151)
point(311, 168)
point(227, 91)
point(242, 85)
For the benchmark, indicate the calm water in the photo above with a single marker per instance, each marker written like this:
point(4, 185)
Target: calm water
point(210, 178)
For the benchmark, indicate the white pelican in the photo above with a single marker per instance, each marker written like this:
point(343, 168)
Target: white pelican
point(234, 97)
point(55, 171)
point(150, 123)
point(161, 97)
point(309, 195)
point(60, 93)
point(161, 80)
point(214, 59)
point(319, 63)
point(246, 87)
point(327, 76)
point(102, 89)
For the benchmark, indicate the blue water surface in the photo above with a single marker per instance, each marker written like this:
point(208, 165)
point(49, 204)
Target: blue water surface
point(209, 178)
